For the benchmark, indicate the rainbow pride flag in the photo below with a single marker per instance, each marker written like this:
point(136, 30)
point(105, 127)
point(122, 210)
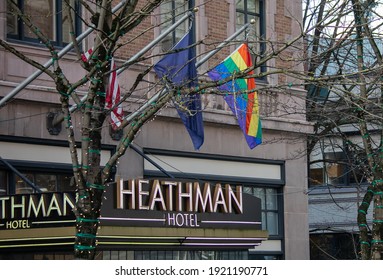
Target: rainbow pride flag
point(240, 93)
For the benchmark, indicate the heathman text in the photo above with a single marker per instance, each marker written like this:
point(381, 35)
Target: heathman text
point(140, 194)
point(36, 205)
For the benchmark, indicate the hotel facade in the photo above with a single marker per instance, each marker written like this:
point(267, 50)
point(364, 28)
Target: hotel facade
point(167, 200)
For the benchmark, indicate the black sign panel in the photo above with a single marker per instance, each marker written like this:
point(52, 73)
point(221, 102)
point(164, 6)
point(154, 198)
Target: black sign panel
point(141, 203)
point(36, 210)
point(165, 203)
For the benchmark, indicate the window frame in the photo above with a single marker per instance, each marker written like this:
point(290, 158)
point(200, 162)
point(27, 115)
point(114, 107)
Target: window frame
point(34, 168)
point(188, 5)
point(335, 159)
point(33, 177)
point(21, 30)
point(25, 166)
point(265, 210)
point(4, 182)
point(262, 26)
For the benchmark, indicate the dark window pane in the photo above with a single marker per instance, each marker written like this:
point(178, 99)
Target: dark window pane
point(3, 182)
point(171, 11)
point(114, 255)
point(272, 223)
point(335, 168)
point(65, 183)
point(246, 11)
point(47, 183)
point(252, 6)
point(12, 23)
point(138, 255)
point(66, 21)
point(316, 176)
point(106, 255)
point(271, 199)
point(240, 20)
point(269, 204)
point(21, 186)
point(122, 255)
point(240, 4)
point(42, 15)
point(264, 225)
point(50, 17)
point(260, 193)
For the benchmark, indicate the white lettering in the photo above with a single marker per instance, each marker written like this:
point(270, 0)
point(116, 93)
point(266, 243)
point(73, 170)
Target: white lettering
point(202, 202)
point(171, 219)
point(156, 196)
point(36, 206)
point(178, 196)
point(67, 201)
point(2, 201)
point(17, 224)
point(14, 206)
point(130, 192)
point(142, 193)
point(235, 197)
point(193, 220)
point(54, 206)
point(187, 196)
point(36, 210)
point(169, 194)
point(182, 220)
point(219, 199)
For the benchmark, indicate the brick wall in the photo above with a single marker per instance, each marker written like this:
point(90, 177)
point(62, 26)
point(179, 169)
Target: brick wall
point(217, 13)
point(283, 24)
point(137, 38)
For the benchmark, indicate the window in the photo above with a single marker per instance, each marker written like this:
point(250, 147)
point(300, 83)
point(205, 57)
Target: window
point(338, 168)
point(265, 257)
point(171, 12)
point(3, 182)
point(175, 255)
point(51, 17)
point(37, 255)
point(47, 182)
point(247, 10)
point(269, 202)
point(332, 170)
point(11, 183)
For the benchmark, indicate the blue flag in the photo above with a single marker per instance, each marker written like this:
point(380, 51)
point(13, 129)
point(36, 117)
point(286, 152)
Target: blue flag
point(178, 68)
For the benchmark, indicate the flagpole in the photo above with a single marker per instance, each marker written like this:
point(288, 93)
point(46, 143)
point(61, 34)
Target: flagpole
point(66, 49)
point(25, 179)
point(220, 46)
point(155, 42)
point(140, 53)
point(198, 64)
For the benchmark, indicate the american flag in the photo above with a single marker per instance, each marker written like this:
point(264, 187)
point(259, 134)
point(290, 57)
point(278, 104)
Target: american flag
point(112, 98)
point(85, 56)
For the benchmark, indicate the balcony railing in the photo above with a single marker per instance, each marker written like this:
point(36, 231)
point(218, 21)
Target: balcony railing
point(268, 103)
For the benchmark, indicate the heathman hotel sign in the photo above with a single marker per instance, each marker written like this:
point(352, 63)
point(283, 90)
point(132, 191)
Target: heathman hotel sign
point(167, 203)
point(36, 210)
point(139, 202)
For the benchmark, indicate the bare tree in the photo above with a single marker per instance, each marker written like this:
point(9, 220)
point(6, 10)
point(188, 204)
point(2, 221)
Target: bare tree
point(109, 29)
point(112, 30)
point(345, 93)
point(333, 32)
